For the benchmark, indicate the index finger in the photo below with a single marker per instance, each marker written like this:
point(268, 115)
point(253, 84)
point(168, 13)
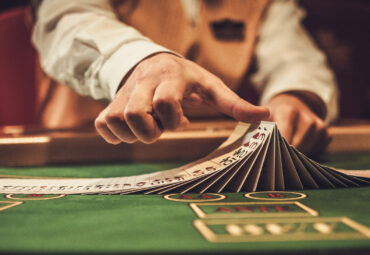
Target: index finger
point(225, 100)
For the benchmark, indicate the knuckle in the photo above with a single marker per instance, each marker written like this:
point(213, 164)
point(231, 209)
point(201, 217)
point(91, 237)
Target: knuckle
point(133, 114)
point(169, 111)
point(114, 116)
point(165, 105)
point(99, 123)
point(212, 81)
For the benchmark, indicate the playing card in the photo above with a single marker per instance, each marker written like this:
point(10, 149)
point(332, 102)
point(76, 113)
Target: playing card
point(254, 157)
point(291, 177)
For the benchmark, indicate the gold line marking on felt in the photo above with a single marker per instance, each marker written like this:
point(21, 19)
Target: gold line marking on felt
point(307, 211)
point(10, 204)
point(220, 197)
point(357, 226)
point(197, 210)
point(250, 195)
point(361, 231)
point(10, 196)
point(205, 231)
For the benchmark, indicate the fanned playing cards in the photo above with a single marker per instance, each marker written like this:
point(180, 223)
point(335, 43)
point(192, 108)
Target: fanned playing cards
point(254, 157)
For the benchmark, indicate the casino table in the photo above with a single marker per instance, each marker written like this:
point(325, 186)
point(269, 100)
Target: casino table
point(326, 221)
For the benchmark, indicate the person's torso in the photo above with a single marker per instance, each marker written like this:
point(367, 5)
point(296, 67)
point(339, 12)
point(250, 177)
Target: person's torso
point(219, 35)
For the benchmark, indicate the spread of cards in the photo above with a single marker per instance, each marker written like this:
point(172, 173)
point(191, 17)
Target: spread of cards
point(254, 157)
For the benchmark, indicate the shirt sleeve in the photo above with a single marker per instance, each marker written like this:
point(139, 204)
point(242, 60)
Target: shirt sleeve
point(82, 44)
point(288, 60)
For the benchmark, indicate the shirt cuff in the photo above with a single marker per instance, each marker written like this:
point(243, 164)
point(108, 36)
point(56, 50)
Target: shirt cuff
point(122, 61)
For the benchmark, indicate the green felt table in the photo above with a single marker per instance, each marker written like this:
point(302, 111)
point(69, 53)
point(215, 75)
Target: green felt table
point(151, 224)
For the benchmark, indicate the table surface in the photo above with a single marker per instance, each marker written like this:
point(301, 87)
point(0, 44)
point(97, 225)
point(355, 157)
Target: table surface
point(22, 146)
point(153, 224)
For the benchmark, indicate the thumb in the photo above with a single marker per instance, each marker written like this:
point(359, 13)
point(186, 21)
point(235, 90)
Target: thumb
point(225, 100)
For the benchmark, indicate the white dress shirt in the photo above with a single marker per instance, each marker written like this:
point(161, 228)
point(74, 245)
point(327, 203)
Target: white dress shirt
point(83, 44)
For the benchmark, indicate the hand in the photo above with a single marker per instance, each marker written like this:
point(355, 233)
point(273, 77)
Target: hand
point(151, 98)
point(297, 122)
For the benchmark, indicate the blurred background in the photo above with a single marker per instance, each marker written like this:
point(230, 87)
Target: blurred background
point(341, 28)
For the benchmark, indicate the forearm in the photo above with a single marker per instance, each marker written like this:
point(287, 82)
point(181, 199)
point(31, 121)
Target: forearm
point(289, 62)
point(82, 44)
